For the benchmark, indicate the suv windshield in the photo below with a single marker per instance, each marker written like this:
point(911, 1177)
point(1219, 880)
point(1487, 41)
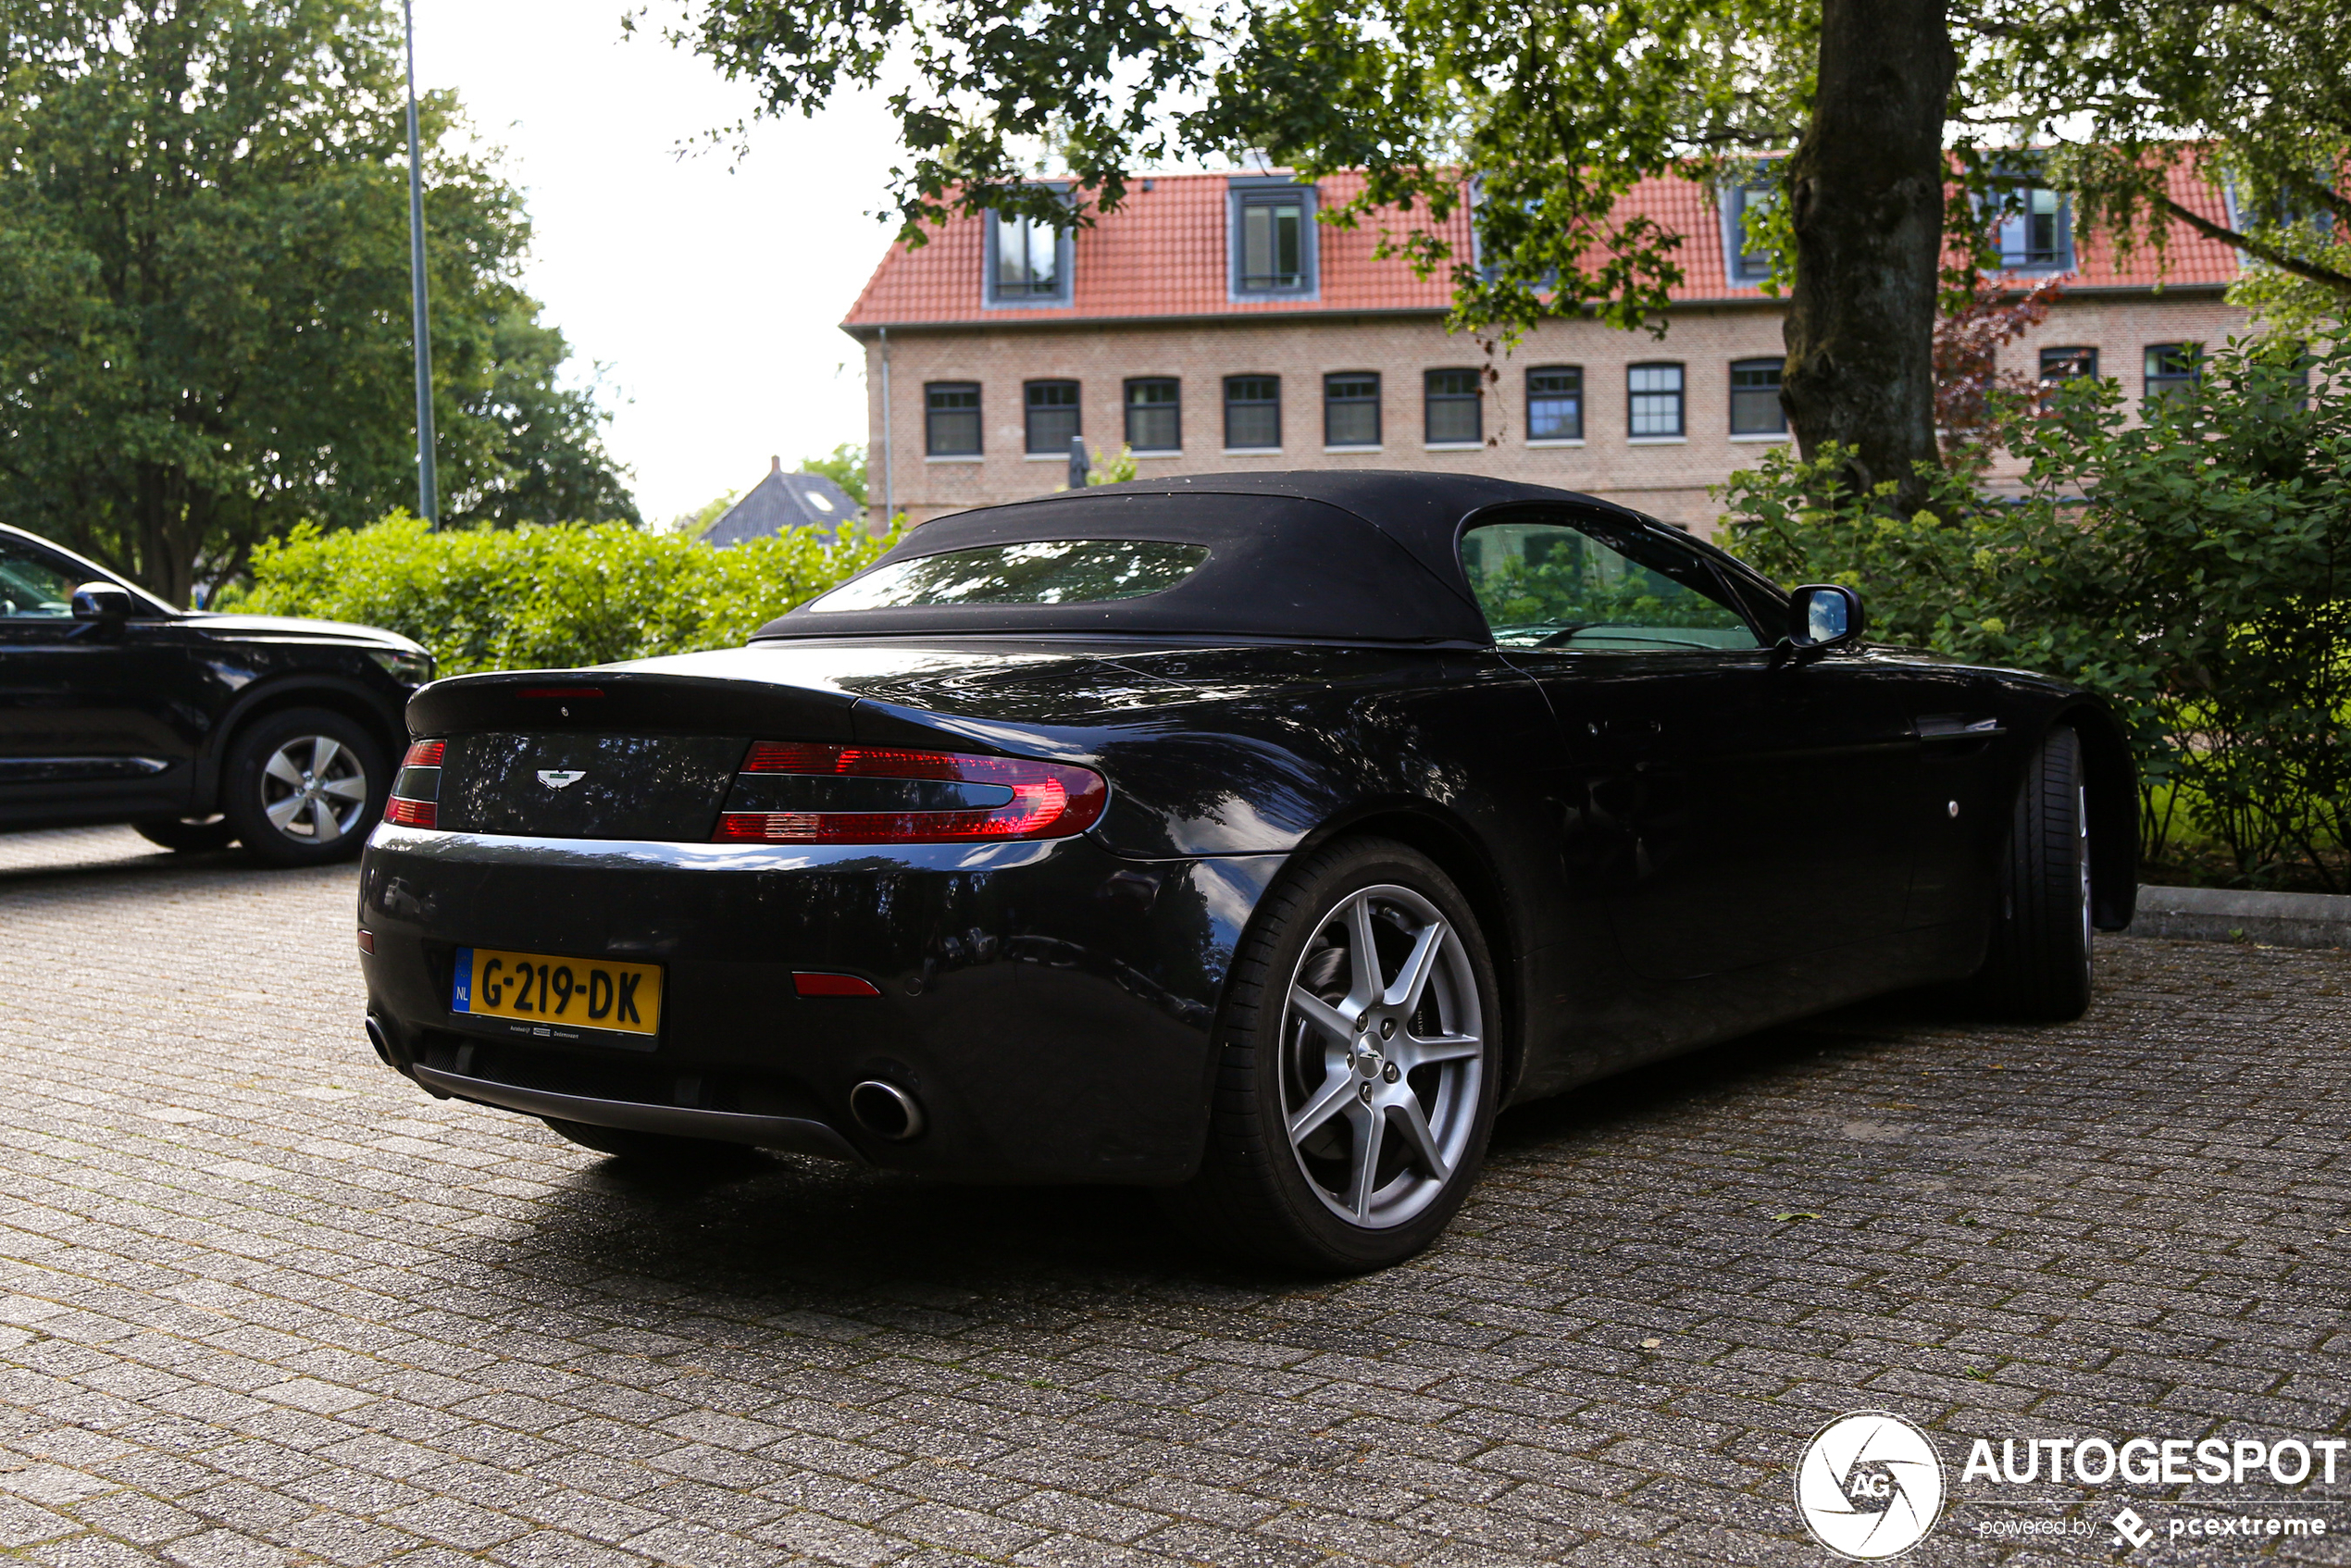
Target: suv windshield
point(31, 584)
point(1588, 587)
point(1058, 571)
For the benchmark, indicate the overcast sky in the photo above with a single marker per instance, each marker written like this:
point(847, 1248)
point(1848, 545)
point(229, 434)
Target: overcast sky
point(711, 290)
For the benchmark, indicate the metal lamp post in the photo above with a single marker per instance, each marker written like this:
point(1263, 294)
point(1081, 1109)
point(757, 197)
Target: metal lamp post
point(427, 481)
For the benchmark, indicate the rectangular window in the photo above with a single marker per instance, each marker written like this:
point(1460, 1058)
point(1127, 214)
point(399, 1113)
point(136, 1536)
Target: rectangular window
point(1351, 409)
point(1027, 263)
point(1252, 413)
point(1454, 409)
point(1052, 415)
point(2171, 368)
point(1555, 403)
point(1271, 253)
point(1745, 210)
point(1155, 414)
point(2068, 364)
point(951, 418)
point(2033, 231)
point(1654, 399)
point(1755, 398)
point(1272, 239)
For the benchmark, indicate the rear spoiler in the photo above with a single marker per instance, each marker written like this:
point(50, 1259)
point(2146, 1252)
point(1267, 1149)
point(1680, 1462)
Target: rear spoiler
point(608, 702)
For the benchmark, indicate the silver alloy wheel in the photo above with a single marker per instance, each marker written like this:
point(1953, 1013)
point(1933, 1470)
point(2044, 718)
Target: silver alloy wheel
point(2082, 859)
point(314, 789)
point(1383, 1056)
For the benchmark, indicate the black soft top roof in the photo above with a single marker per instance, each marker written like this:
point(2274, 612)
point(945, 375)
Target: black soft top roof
point(1362, 555)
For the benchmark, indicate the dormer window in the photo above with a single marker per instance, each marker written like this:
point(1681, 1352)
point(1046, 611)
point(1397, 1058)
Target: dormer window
point(1027, 261)
point(2035, 230)
point(1747, 259)
point(1273, 229)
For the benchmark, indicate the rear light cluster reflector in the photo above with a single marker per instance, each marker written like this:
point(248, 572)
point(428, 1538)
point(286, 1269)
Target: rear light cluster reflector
point(1049, 800)
point(416, 791)
point(810, 982)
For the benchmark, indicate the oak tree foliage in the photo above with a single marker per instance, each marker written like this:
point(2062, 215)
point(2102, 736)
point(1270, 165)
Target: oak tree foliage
point(204, 291)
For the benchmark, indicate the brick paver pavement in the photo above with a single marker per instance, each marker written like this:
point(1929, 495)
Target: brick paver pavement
point(262, 1302)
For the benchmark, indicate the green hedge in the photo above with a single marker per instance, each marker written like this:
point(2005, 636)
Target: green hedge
point(543, 598)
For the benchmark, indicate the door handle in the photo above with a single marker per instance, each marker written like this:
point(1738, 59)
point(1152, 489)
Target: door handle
point(1933, 728)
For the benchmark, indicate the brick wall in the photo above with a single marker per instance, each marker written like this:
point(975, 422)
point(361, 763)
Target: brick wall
point(2121, 326)
point(1666, 478)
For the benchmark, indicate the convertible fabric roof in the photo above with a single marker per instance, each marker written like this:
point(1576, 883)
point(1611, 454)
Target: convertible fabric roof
point(1364, 555)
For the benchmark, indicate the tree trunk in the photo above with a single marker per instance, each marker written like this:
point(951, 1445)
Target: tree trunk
point(1865, 194)
point(167, 542)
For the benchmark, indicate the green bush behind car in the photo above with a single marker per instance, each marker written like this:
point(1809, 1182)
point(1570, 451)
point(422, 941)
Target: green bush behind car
point(544, 598)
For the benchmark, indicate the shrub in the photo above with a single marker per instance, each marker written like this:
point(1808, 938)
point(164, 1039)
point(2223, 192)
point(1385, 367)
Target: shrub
point(543, 598)
point(2194, 568)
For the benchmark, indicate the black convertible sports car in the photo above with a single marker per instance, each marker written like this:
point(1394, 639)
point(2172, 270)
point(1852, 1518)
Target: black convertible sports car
point(1250, 838)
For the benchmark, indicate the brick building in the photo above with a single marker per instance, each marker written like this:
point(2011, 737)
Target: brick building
point(1210, 324)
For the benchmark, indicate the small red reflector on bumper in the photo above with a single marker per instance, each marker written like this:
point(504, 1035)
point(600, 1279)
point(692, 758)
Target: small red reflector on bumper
point(808, 983)
point(367, 941)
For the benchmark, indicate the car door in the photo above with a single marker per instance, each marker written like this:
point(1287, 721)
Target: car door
point(1961, 809)
point(91, 725)
point(1736, 806)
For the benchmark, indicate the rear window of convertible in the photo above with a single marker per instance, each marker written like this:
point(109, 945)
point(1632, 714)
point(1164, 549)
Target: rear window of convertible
point(1058, 571)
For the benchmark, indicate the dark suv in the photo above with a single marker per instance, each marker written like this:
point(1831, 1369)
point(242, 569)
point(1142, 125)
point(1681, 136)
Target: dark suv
point(200, 730)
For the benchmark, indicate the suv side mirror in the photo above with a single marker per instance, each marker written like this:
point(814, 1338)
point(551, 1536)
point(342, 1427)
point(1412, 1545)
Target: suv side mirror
point(1823, 615)
point(102, 601)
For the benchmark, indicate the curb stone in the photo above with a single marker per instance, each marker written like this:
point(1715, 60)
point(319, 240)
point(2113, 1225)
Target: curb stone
point(2227, 914)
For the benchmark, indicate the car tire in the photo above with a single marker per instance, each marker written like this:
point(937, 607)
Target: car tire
point(2038, 965)
point(303, 786)
point(656, 1150)
point(1352, 1105)
point(188, 837)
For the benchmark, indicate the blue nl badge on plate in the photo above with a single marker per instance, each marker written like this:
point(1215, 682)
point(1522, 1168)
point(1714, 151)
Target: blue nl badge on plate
point(461, 993)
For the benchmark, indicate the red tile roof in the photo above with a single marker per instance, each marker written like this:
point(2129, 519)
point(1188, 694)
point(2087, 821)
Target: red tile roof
point(1162, 254)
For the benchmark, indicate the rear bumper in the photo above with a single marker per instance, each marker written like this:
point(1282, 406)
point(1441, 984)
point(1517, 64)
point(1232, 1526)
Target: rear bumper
point(800, 1135)
point(1047, 1003)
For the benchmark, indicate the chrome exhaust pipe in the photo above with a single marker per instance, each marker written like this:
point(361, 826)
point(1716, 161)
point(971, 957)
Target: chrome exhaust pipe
point(886, 1110)
point(382, 1043)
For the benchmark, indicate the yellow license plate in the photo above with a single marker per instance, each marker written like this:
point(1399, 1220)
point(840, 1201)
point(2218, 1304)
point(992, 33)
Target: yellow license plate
point(565, 993)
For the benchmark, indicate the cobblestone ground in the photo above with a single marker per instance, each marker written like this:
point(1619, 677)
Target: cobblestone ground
point(261, 1303)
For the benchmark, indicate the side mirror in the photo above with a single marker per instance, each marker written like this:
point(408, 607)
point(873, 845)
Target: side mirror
point(1823, 615)
point(102, 601)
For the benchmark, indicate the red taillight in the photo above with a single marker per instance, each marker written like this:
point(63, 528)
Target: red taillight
point(1049, 800)
point(417, 787)
point(864, 762)
point(809, 982)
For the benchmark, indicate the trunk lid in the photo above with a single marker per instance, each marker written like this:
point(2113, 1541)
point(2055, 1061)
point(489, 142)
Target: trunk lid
point(568, 785)
point(605, 753)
